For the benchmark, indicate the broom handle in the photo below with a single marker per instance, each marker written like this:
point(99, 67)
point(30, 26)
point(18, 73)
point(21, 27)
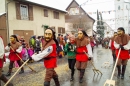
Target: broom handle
point(115, 64)
point(16, 73)
point(22, 60)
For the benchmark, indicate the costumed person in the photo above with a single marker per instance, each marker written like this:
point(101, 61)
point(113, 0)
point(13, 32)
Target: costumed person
point(92, 42)
point(82, 46)
point(49, 55)
point(111, 46)
point(30, 53)
point(24, 53)
point(70, 49)
point(38, 44)
point(122, 41)
point(32, 42)
point(2, 59)
point(15, 48)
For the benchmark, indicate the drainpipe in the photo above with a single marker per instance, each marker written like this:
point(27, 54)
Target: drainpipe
point(7, 19)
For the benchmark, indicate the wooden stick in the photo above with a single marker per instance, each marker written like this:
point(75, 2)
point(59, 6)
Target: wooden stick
point(16, 73)
point(115, 65)
point(22, 60)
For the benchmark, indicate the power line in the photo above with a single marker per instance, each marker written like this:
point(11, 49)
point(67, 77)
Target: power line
point(94, 3)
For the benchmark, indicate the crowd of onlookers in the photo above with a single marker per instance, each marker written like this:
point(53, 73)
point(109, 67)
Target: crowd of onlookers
point(35, 45)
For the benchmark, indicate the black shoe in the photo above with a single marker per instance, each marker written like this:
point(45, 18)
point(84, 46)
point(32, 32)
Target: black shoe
point(8, 74)
point(72, 78)
point(10, 84)
point(21, 72)
point(122, 77)
point(47, 83)
point(118, 76)
point(80, 80)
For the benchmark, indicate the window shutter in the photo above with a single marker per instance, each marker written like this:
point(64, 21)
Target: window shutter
point(30, 12)
point(59, 30)
point(63, 30)
point(54, 14)
point(57, 15)
point(45, 13)
point(18, 16)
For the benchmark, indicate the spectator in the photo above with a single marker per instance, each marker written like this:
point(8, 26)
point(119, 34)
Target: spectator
point(24, 53)
point(30, 53)
point(32, 42)
point(58, 38)
point(38, 44)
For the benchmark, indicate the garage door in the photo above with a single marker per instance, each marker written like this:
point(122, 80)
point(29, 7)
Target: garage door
point(26, 33)
point(3, 33)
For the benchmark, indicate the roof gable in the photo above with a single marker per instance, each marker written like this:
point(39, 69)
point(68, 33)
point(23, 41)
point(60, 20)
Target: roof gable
point(74, 4)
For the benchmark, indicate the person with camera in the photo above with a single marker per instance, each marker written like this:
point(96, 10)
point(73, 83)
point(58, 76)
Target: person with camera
point(70, 49)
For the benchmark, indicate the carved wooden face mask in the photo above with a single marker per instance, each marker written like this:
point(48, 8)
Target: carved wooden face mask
point(115, 34)
point(48, 35)
point(80, 34)
point(12, 39)
point(120, 32)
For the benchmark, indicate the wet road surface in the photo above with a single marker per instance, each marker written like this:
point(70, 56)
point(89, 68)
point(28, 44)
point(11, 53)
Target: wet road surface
point(101, 56)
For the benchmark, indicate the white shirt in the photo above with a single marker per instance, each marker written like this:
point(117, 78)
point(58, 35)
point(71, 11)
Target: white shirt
point(43, 54)
point(1, 48)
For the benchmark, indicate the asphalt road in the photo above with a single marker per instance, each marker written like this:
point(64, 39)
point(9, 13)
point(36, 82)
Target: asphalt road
point(102, 60)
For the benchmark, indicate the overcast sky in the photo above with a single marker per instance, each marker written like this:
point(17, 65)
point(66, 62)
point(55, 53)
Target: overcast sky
point(89, 6)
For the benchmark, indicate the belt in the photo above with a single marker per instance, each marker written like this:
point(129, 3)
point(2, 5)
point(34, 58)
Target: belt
point(48, 58)
point(80, 53)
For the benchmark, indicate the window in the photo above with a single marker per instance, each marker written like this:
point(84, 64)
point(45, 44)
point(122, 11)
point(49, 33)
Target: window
point(24, 12)
point(45, 13)
point(61, 30)
point(74, 11)
point(127, 7)
point(56, 15)
point(119, 8)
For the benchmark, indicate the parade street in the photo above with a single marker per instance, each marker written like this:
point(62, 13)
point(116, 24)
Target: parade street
point(102, 60)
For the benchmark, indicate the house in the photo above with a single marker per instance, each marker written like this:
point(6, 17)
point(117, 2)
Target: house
point(108, 31)
point(26, 18)
point(77, 19)
point(122, 14)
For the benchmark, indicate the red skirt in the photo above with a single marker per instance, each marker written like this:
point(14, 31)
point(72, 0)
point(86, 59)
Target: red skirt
point(2, 62)
point(14, 57)
point(124, 54)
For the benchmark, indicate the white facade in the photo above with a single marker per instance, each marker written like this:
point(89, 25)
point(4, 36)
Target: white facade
point(122, 15)
point(108, 32)
point(38, 19)
point(2, 6)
